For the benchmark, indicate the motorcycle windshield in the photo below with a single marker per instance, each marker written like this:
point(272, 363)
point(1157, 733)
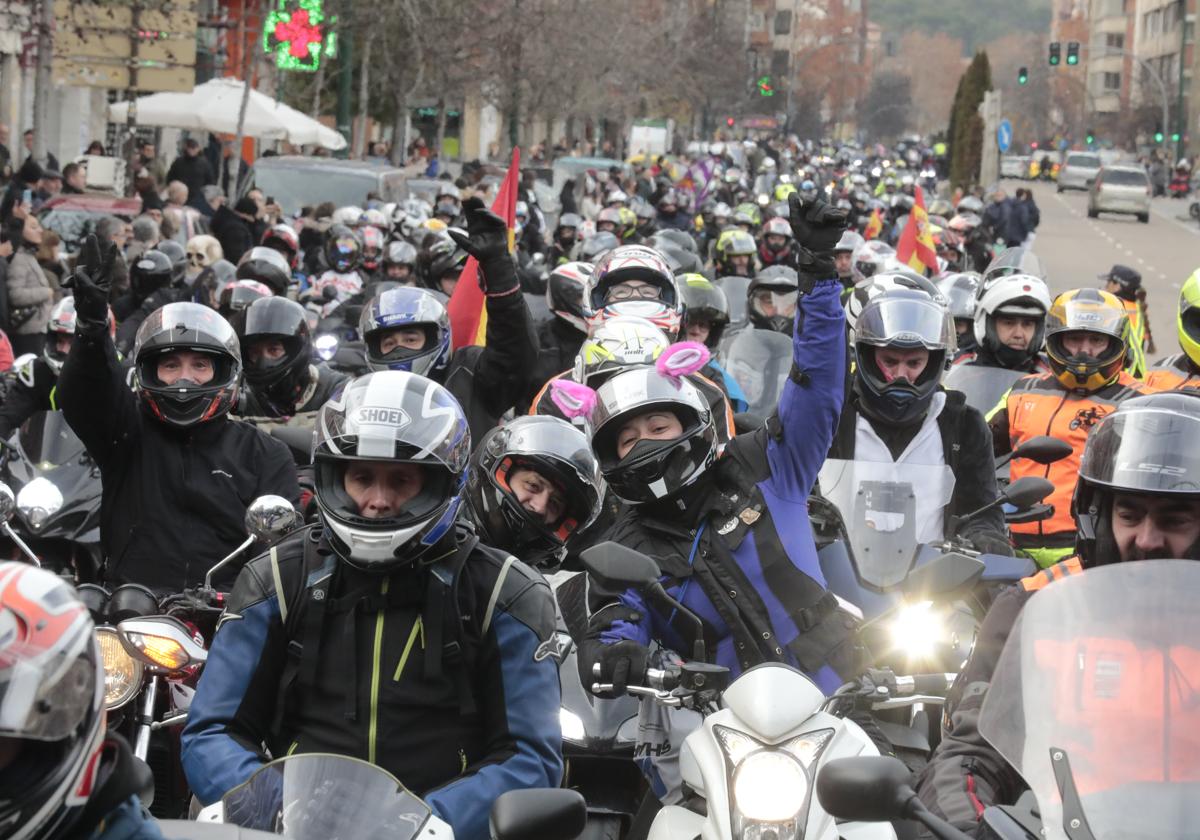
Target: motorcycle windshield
point(735, 293)
point(760, 361)
point(317, 796)
point(48, 441)
point(1096, 701)
point(984, 387)
point(889, 510)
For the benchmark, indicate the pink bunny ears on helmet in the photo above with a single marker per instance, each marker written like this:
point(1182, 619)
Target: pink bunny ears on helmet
point(572, 398)
point(683, 358)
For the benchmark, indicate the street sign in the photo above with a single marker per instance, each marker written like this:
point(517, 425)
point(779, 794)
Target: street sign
point(104, 44)
point(1004, 135)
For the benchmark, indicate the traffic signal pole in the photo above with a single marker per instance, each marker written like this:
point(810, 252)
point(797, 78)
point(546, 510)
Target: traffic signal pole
point(1149, 69)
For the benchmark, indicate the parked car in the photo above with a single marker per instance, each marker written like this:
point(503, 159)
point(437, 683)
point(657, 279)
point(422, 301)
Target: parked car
point(1120, 189)
point(1014, 166)
point(74, 216)
point(295, 182)
point(1080, 168)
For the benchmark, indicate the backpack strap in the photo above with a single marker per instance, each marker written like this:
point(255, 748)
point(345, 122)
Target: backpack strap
point(298, 618)
point(444, 626)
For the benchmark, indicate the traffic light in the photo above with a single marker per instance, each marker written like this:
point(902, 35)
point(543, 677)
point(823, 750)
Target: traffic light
point(1072, 53)
point(1090, 138)
point(765, 88)
point(1158, 136)
point(1034, 145)
point(729, 121)
point(1055, 53)
point(1023, 76)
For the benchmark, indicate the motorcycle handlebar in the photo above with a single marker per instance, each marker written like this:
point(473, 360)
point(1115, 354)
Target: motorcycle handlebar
point(924, 684)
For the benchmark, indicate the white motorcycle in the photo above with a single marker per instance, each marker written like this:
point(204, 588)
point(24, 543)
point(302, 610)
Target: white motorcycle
point(755, 758)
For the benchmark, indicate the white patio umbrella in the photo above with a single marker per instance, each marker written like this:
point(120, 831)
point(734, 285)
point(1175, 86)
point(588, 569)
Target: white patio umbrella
point(213, 106)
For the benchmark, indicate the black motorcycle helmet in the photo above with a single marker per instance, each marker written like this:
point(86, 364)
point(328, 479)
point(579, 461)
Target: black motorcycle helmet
point(566, 232)
point(278, 383)
point(679, 238)
point(564, 293)
point(705, 302)
point(193, 327)
point(177, 254)
point(149, 274)
point(267, 266)
point(1149, 446)
point(439, 256)
point(906, 319)
point(560, 454)
point(343, 249)
point(783, 284)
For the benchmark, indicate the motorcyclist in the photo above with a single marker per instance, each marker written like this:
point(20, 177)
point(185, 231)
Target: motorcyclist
point(776, 247)
point(560, 337)
point(35, 387)
point(692, 512)
point(566, 237)
point(899, 413)
point(533, 483)
point(1126, 284)
point(283, 238)
point(1183, 369)
point(409, 329)
point(593, 247)
point(771, 299)
point(374, 241)
point(634, 280)
point(343, 254)
point(149, 288)
point(670, 213)
point(177, 472)
point(1085, 345)
point(1010, 325)
point(399, 262)
point(267, 266)
point(440, 263)
point(426, 652)
point(707, 312)
point(843, 259)
point(282, 379)
point(959, 290)
point(609, 221)
point(61, 775)
point(734, 254)
point(1123, 514)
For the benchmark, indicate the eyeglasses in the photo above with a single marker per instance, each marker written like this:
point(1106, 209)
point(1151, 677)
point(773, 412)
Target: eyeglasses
point(627, 291)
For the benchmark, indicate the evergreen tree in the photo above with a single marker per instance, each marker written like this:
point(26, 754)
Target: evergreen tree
point(967, 140)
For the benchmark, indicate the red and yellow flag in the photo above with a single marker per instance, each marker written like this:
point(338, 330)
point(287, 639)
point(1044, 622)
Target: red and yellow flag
point(915, 247)
point(468, 304)
point(874, 225)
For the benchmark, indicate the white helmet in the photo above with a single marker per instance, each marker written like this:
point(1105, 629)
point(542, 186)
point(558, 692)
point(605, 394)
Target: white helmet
point(1015, 294)
point(348, 215)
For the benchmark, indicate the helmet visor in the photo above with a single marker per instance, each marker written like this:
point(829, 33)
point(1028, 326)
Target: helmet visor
point(905, 322)
point(47, 691)
point(1086, 315)
point(1146, 450)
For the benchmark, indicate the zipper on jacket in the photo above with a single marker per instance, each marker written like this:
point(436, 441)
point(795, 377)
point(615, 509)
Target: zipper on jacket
point(375, 679)
point(417, 630)
point(1042, 523)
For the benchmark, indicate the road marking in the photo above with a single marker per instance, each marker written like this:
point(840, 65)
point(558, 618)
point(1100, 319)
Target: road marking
point(1190, 228)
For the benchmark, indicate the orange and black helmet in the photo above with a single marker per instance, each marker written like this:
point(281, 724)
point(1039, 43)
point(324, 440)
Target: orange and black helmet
point(1086, 311)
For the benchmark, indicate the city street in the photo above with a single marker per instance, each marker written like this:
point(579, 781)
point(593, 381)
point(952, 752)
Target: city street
point(1074, 249)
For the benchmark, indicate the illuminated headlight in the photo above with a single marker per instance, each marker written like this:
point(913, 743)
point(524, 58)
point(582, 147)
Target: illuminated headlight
point(37, 501)
point(122, 673)
point(876, 172)
point(917, 629)
point(326, 346)
point(572, 725)
point(769, 786)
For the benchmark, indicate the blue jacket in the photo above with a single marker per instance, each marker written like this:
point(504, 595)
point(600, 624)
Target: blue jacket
point(128, 821)
point(764, 534)
point(390, 709)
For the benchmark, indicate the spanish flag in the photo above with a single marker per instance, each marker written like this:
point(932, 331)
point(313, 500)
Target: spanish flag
point(874, 225)
point(468, 304)
point(915, 247)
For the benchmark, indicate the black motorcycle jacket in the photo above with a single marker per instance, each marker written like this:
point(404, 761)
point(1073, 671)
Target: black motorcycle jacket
point(966, 449)
point(558, 345)
point(174, 499)
point(33, 389)
point(489, 380)
point(444, 674)
point(324, 383)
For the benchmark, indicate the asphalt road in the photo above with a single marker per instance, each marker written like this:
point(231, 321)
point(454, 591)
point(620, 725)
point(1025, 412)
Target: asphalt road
point(1075, 249)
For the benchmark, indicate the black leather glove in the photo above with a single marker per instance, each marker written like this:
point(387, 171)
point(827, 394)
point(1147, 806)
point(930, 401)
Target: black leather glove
point(817, 227)
point(987, 542)
point(92, 282)
point(621, 664)
point(487, 242)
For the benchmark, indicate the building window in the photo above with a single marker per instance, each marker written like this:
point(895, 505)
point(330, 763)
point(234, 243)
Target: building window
point(1112, 81)
point(1115, 41)
point(783, 22)
point(779, 63)
point(1189, 32)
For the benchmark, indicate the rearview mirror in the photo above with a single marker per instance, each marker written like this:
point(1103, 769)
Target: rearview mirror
point(1028, 491)
point(865, 788)
point(617, 568)
point(945, 573)
point(538, 814)
point(268, 518)
point(1043, 449)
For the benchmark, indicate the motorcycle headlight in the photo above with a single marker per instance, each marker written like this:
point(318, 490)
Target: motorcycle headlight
point(37, 501)
point(572, 725)
point(917, 629)
point(769, 786)
point(326, 346)
point(122, 673)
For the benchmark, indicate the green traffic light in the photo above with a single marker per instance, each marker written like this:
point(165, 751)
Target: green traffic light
point(1022, 76)
point(1175, 137)
point(1158, 137)
point(1089, 139)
